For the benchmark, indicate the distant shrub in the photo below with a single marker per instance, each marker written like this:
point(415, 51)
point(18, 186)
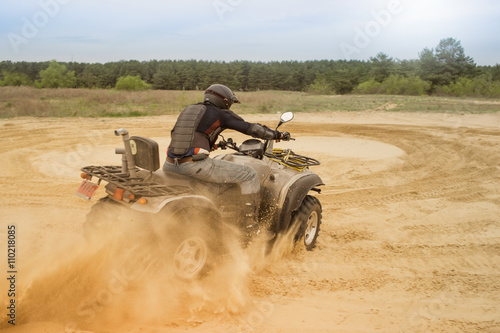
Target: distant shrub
point(368, 87)
point(56, 76)
point(482, 86)
point(15, 79)
point(395, 85)
point(320, 86)
point(131, 83)
point(402, 85)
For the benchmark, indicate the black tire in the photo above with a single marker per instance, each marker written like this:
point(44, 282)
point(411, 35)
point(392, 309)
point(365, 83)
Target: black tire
point(308, 217)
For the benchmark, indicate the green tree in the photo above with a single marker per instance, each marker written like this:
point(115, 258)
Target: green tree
point(166, 77)
point(452, 55)
point(446, 64)
point(495, 72)
point(93, 76)
point(344, 76)
point(56, 76)
point(382, 66)
point(258, 78)
point(320, 86)
point(431, 68)
point(240, 70)
point(407, 67)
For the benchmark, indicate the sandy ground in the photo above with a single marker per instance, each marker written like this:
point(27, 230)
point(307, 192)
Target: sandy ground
point(410, 240)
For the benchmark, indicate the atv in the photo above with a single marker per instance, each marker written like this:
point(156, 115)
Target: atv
point(198, 213)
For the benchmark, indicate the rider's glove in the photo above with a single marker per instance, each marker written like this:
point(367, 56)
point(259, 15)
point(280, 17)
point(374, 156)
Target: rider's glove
point(285, 136)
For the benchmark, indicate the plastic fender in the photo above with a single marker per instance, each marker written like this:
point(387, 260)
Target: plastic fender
point(295, 194)
point(156, 204)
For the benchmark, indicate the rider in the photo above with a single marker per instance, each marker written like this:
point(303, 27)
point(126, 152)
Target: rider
point(194, 136)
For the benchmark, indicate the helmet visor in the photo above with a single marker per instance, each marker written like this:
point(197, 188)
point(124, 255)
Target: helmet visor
point(234, 99)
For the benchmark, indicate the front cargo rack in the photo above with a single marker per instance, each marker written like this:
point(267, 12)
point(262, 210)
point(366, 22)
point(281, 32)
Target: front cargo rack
point(138, 186)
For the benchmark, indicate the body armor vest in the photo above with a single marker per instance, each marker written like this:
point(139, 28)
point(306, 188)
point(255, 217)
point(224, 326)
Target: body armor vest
point(184, 131)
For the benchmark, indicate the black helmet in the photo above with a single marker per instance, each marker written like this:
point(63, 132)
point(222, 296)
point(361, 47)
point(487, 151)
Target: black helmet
point(220, 95)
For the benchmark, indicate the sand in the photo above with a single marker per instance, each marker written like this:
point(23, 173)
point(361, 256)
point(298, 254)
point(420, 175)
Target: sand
point(410, 240)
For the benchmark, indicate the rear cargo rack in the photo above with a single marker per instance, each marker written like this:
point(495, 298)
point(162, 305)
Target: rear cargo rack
point(137, 186)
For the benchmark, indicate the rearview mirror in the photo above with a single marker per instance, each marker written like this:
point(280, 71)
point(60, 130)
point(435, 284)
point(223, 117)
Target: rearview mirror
point(286, 116)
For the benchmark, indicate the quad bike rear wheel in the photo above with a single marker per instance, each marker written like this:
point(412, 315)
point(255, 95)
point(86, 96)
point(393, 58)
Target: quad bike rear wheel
point(182, 240)
point(191, 240)
point(309, 218)
point(191, 257)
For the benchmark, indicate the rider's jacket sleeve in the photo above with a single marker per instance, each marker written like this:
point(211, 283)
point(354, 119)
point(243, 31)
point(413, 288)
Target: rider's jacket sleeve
point(262, 132)
point(233, 121)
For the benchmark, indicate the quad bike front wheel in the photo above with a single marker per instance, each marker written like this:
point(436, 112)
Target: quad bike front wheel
point(309, 218)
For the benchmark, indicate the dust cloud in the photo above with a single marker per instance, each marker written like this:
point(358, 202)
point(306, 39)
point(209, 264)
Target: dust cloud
point(122, 275)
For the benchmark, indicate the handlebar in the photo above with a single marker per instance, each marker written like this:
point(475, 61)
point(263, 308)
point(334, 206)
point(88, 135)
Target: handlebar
point(229, 143)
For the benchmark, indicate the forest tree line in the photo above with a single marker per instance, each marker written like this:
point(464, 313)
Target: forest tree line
point(443, 70)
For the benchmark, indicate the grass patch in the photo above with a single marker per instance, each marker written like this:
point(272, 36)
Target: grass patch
point(28, 101)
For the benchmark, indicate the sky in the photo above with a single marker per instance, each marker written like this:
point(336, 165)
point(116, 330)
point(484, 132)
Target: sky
point(256, 30)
